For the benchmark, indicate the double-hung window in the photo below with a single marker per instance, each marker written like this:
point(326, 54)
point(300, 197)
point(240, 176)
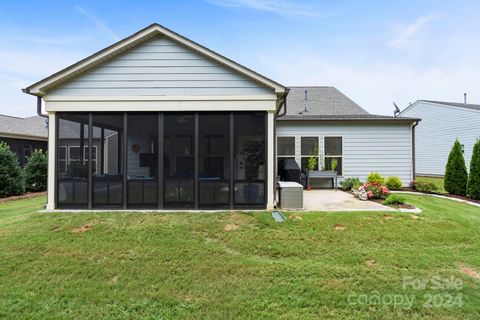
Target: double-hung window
point(309, 150)
point(334, 153)
point(285, 150)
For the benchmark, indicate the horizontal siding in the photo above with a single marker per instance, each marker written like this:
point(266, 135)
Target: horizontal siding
point(160, 67)
point(367, 147)
point(437, 131)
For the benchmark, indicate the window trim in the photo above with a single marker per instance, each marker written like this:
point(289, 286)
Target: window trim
point(294, 147)
point(335, 156)
point(85, 157)
point(292, 156)
point(319, 155)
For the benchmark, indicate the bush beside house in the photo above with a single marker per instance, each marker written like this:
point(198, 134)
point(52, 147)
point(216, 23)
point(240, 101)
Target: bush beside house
point(11, 175)
point(456, 172)
point(473, 186)
point(36, 172)
point(394, 183)
point(375, 177)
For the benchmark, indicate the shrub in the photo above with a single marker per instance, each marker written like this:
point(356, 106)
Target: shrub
point(36, 172)
point(375, 177)
point(394, 199)
point(473, 186)
point(456, 171)
point(11, 175)
point(394, 183)
point(375, 190)
point(427, 187)
point(350, 183)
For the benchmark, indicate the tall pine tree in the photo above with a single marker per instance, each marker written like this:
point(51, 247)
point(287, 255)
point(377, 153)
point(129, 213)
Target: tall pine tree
point(456, 172)
point(473, 189)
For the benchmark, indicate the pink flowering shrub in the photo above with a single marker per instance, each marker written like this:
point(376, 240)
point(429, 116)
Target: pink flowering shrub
point(375, 190)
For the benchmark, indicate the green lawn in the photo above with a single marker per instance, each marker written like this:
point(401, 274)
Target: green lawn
point(436, 180)
point(242, 266)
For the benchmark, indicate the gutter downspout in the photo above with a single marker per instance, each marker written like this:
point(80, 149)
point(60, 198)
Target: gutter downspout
point(413, 150)
point(39, 108)
point(277, 115)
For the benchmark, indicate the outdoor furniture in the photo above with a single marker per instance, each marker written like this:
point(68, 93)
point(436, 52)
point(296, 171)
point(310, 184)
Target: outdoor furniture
point(290, 195)
point(322, 175)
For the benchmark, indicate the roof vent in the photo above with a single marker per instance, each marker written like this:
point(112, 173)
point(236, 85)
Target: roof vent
point(465, 98)
point(305, 101)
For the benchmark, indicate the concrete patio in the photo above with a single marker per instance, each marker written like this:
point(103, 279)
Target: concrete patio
point(331, 200)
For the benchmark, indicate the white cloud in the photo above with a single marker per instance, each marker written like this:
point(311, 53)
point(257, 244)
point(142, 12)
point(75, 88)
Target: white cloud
point(280, 7)
point(406, 33)
point(101, 26)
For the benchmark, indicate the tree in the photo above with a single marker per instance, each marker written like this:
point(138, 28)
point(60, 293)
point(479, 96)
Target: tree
point(36, 172)
point(473, 189)
point(11, 175)
point(456, 172)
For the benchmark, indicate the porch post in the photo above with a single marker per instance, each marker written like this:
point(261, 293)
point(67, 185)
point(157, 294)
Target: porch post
point(52, 150)
point(270, 160)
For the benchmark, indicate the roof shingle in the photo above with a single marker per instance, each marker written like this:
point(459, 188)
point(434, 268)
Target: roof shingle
point(31, 126)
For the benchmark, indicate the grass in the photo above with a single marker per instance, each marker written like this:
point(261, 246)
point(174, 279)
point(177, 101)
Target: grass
point(236, 265)
point(438, 181)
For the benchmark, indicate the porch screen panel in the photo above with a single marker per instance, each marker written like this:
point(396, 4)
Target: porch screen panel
point(142, 164)
point(107, 160)
point(71, 166)
point(249, 159)
point(214, 160)
point(179, 160)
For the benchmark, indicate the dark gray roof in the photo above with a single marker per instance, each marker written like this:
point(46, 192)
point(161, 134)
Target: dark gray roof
point(456, 104)
point(31, 126)
point(327, 103)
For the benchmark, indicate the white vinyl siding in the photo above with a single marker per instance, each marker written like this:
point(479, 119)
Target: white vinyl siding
point(437, 131)
point(160, 67)
point(367, 147)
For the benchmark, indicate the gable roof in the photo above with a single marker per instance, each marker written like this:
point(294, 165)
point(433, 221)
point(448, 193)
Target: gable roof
point(39, 88)
point(456, 104)
point(326, 103)
point(23, 128)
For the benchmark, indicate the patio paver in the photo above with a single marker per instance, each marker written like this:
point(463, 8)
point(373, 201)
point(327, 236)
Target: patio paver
point(331, 200)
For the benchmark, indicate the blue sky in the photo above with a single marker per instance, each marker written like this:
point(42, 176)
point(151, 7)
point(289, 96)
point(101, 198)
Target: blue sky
point(375, 52)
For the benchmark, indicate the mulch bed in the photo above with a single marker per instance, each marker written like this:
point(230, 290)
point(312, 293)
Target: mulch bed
point(27, 195)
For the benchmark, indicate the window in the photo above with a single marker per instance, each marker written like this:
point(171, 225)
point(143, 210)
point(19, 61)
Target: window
point(285, 151)
point(62, 159)
point(74, 155)
point(334, 151)
point(309, 148)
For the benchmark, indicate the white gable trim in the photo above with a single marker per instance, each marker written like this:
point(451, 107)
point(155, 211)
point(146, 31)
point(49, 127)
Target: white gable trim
point(151, 31)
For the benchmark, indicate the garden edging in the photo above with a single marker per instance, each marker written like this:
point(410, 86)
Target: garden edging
point(439, 196)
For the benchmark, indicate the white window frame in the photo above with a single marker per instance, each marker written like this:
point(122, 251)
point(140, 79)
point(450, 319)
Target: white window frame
point(335, 156)
point(85, 158)
point(318, 155)
point(65, 160)
point(294, 148)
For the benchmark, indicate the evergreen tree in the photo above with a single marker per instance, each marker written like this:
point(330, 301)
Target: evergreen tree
point(456, 172)
point(36, 172)
point(11, 175)
point(473, 189)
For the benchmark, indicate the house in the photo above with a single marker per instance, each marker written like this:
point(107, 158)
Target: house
point(442, 123)
point(24, 135)
point(158, 93)
point(158, 121)
point(322, 122)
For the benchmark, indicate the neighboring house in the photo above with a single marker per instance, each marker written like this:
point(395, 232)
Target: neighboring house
point(442, 123)
point(324, 123)
point(24, 135)
point(174, 125)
